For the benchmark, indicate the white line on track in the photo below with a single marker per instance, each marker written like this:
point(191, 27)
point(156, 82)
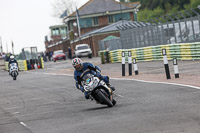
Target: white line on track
point(125, 79)
point(157, 82)
point(23, 124)
point(14, 113)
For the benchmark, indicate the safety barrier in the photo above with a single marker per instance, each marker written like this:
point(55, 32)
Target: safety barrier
point(183, 51)
point(22, 64)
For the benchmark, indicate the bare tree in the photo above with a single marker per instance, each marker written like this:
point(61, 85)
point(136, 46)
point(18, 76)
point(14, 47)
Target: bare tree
point(60, 6)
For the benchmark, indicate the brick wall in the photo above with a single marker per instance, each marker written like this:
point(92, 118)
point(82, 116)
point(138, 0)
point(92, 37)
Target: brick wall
point(62, 46)
point(132, 16)
point(93, 42)
point(103, 20)
point(56, 37)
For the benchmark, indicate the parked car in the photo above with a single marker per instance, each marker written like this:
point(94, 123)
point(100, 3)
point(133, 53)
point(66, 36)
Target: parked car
point(58, 55)
point(83, 50)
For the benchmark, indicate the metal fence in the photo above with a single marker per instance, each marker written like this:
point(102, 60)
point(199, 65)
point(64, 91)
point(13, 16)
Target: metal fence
point(112, 44)
point(29, 53)
point(177, 28)
point(184, 31)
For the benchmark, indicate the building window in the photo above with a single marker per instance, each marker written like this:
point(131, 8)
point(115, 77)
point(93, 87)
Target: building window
point(55, 31)
point(117, 17)
point(95, 21)
point(63, 30)
point(71, 26)
point(86, 22)
point(123, 16)
point(110, 19)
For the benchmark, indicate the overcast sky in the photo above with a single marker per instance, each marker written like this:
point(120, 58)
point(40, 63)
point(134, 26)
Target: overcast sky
point(26, 23)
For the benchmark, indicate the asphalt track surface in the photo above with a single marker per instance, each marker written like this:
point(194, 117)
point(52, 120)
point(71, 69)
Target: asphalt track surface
point(41, 102)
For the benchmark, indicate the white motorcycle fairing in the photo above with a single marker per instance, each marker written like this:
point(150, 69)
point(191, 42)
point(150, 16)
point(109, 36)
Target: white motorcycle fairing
point(13, 70)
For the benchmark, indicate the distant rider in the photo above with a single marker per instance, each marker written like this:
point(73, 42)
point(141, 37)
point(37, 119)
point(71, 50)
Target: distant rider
point(95, 70)
point(12, 60)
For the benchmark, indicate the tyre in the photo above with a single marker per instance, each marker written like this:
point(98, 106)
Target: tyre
point(104, 98)
point(114, 102)
point(14, 78)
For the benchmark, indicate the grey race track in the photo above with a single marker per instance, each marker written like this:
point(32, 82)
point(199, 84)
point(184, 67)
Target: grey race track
point(43, 103)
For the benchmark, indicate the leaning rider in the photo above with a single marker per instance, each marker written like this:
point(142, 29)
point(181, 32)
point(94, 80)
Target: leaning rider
point(95, 70)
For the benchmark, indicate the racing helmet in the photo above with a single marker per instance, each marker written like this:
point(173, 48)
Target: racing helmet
point(77, 64)
point(12, 57)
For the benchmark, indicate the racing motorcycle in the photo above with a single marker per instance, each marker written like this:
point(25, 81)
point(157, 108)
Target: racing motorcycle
point(97, 90)
point(13, 70)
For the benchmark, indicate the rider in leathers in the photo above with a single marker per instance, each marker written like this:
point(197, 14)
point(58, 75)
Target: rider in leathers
point(12, 60)
point(81, 67)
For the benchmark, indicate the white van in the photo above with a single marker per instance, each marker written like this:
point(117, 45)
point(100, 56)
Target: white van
point(82, 50)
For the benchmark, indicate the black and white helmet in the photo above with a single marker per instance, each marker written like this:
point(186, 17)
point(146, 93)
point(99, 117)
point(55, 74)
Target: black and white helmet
point(12, 57)
point(77, 64)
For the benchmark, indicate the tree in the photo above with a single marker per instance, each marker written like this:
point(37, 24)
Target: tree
point(181, 3)
point(147, 14)
point(167, 7)
point(174, 9)
point(193, 4)
point(60, 6)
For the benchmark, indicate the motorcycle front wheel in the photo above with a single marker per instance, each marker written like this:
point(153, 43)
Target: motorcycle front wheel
point(14, 76)
point(101, 94)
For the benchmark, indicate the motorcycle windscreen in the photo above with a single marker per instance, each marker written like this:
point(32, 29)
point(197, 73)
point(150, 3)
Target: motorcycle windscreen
point(87, 79)
point(13, 64)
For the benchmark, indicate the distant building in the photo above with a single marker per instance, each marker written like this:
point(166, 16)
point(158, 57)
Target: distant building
point(58, 34)
point(99, 13)
point(95, 16)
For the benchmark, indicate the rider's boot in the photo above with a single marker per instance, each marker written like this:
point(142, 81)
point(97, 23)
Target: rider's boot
point(87, 96)
point(112, 87)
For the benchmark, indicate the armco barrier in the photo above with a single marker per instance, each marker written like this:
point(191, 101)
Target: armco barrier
point(23, 65)
point(183, 51)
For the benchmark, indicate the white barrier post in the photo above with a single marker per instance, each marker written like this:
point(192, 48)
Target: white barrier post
point(135, 66)
point(123, 63)
point(166, 63)
point(176, 68)
point(130, 63)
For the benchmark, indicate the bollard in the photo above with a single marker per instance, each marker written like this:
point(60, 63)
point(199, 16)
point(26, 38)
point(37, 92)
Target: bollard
point(166, 63)
point(176, 68)
point(135, 66)
point(107, 57)
point(123, 63)
point(130, 63)
point(102, 58)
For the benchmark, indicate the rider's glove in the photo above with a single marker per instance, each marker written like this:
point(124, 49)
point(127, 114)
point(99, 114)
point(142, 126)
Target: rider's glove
point(79, 87)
